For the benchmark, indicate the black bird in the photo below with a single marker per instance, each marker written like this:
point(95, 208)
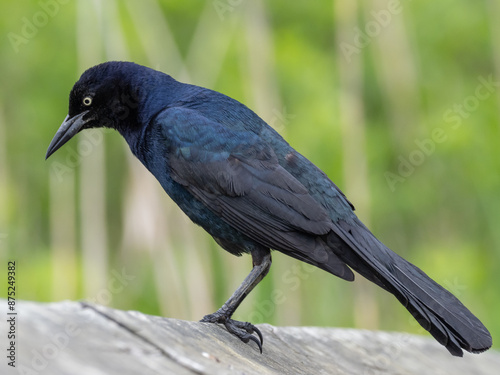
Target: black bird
point(236, 177)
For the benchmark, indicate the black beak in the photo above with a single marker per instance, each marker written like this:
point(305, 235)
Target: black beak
point(67, 130)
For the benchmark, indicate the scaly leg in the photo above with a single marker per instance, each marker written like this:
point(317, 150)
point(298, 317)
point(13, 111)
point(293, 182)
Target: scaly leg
point(243, 330)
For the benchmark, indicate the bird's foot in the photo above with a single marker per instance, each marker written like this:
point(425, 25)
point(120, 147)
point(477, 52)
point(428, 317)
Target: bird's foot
point(243, 330)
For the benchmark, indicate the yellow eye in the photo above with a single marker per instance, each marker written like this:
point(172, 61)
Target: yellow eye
point(87, 101)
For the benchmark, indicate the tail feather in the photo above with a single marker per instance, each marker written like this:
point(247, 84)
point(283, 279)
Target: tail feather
point(436, 309)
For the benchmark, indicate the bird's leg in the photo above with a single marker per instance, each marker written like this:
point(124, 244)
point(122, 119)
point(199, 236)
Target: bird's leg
point(244, 330)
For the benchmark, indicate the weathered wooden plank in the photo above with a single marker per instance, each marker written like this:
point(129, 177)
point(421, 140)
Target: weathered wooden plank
point(76, 338)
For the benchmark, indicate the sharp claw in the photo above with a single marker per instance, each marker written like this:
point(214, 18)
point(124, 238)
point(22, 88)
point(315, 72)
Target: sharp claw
point(255, 340)
point(250, 328)
point(236, 328)
point(243, 330)
point(260, 336)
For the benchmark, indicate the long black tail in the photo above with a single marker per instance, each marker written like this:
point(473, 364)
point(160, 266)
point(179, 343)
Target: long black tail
point(436, 309)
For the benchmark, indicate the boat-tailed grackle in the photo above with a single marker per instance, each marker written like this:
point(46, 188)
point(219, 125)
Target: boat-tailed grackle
point(236, 177)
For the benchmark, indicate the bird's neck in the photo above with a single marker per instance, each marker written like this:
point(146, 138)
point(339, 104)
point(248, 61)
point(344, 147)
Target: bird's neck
point(147, 97)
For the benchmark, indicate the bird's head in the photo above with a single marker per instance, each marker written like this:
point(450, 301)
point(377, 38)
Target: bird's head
point(102, 97)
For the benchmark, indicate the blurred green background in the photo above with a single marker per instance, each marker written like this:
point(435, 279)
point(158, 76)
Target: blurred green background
point(398, 102)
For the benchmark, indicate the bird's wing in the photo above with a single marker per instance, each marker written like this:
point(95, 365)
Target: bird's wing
point(238, 176)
